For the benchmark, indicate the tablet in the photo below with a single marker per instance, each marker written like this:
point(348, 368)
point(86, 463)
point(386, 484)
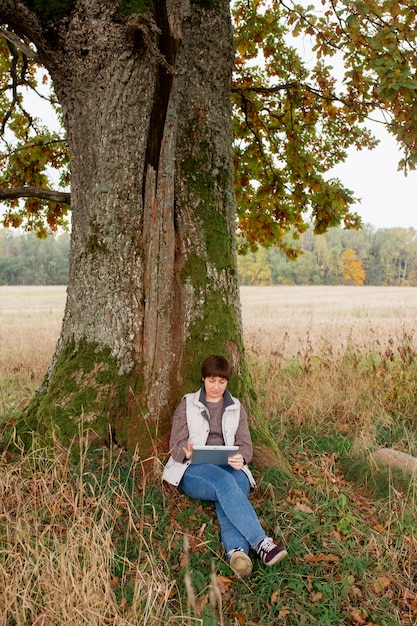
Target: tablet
point(216, 455)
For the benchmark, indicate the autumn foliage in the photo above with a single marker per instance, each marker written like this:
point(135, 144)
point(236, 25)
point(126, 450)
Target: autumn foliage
point(353, 271)
point(307, 79)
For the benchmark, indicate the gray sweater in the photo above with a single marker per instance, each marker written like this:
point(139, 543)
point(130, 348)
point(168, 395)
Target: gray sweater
point(180, 436)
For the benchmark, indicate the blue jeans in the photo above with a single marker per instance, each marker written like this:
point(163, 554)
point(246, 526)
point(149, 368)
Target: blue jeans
point(229, 490)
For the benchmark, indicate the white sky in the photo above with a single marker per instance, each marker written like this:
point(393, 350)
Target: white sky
point(388, 198)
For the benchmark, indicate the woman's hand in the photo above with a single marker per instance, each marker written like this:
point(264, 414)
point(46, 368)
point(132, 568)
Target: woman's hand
point(237, 461)
point(188, 451)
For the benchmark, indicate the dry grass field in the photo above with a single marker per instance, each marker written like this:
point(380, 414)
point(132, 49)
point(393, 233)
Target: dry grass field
point(289, 319)
point(30, 322)
point(280, 323)
point(279, 320)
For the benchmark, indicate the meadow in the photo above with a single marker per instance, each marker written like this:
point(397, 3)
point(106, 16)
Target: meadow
point(100, 542)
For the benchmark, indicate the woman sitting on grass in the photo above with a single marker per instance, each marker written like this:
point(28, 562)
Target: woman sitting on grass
point(211, 416)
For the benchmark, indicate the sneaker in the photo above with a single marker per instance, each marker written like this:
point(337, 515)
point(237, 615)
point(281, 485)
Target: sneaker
point(240, 563)
point(269, 552)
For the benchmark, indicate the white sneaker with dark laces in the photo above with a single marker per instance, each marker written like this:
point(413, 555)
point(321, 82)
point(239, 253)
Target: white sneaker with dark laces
point(269, 552)
point(240, 563)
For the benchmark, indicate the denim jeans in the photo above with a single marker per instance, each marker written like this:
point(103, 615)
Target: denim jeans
point(229, 490)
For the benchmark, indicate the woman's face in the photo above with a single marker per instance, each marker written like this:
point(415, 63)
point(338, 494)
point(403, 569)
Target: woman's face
point(214, 386)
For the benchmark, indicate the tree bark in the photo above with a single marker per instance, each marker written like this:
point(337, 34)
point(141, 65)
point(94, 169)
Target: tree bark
point(153, 282)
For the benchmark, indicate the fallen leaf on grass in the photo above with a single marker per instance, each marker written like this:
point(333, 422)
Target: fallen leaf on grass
point(409, 595)
point(299, 506)
point(284, 612)
point(240, 618)
point(274, 598)
point(201, 603)
point(315, 597)
point(379, 528)
point(381, 583)
point(201, 531)
point(224, 582)
point(357, 616)
point(337, 535)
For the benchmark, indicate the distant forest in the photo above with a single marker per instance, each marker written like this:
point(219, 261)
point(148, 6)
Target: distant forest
point(27, 260)
point(384, 257)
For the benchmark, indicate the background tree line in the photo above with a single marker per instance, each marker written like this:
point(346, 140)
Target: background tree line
point(25, 259)
point(369, 256)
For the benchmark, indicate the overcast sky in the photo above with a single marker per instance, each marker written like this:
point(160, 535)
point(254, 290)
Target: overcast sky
point(388, 198)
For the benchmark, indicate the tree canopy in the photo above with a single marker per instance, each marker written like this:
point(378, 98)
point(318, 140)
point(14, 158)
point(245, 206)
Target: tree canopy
point(307, 78)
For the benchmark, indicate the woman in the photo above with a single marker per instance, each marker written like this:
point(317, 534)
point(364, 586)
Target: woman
point(211, 416)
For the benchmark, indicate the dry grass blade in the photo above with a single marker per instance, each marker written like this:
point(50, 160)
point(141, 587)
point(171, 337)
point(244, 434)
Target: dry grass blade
point(58, 557)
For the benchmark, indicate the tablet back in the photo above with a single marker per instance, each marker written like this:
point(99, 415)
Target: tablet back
point(216, 455)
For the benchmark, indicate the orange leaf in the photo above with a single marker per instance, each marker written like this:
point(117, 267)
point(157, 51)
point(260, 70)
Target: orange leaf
point(315, 597)
point(274, 597)
point(357, 617)
point(318, 558)
point(223, 582)
point(381, 583)
point(379, 528)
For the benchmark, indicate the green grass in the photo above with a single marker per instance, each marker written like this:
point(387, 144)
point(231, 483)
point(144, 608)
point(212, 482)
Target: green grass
point(351, 557)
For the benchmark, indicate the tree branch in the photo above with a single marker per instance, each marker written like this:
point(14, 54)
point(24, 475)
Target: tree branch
point(35, 192)
point(16, 41)
point(272, 89)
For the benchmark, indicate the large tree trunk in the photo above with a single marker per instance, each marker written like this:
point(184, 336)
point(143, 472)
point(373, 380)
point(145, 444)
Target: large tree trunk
point(153, 284)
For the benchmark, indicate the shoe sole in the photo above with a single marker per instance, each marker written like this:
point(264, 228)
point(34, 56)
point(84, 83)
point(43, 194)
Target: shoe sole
point(241, 565)
point(279, 557)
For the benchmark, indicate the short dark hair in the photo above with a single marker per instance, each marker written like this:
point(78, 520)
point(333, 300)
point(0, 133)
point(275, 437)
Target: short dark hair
point(216, 365)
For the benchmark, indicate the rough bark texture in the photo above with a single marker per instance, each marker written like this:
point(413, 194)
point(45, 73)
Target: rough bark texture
point(153, 285)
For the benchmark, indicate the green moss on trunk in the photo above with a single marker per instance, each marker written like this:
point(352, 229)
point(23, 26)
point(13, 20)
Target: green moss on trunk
point(87, 393)
point(130, 7)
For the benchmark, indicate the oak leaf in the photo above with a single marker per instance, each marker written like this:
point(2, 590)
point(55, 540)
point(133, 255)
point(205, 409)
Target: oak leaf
point(299, 506)
point(381, 583)
point(315, 597)
point(321, 557)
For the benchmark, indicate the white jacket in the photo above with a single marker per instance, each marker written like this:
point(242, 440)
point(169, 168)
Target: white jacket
point(199, 428)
